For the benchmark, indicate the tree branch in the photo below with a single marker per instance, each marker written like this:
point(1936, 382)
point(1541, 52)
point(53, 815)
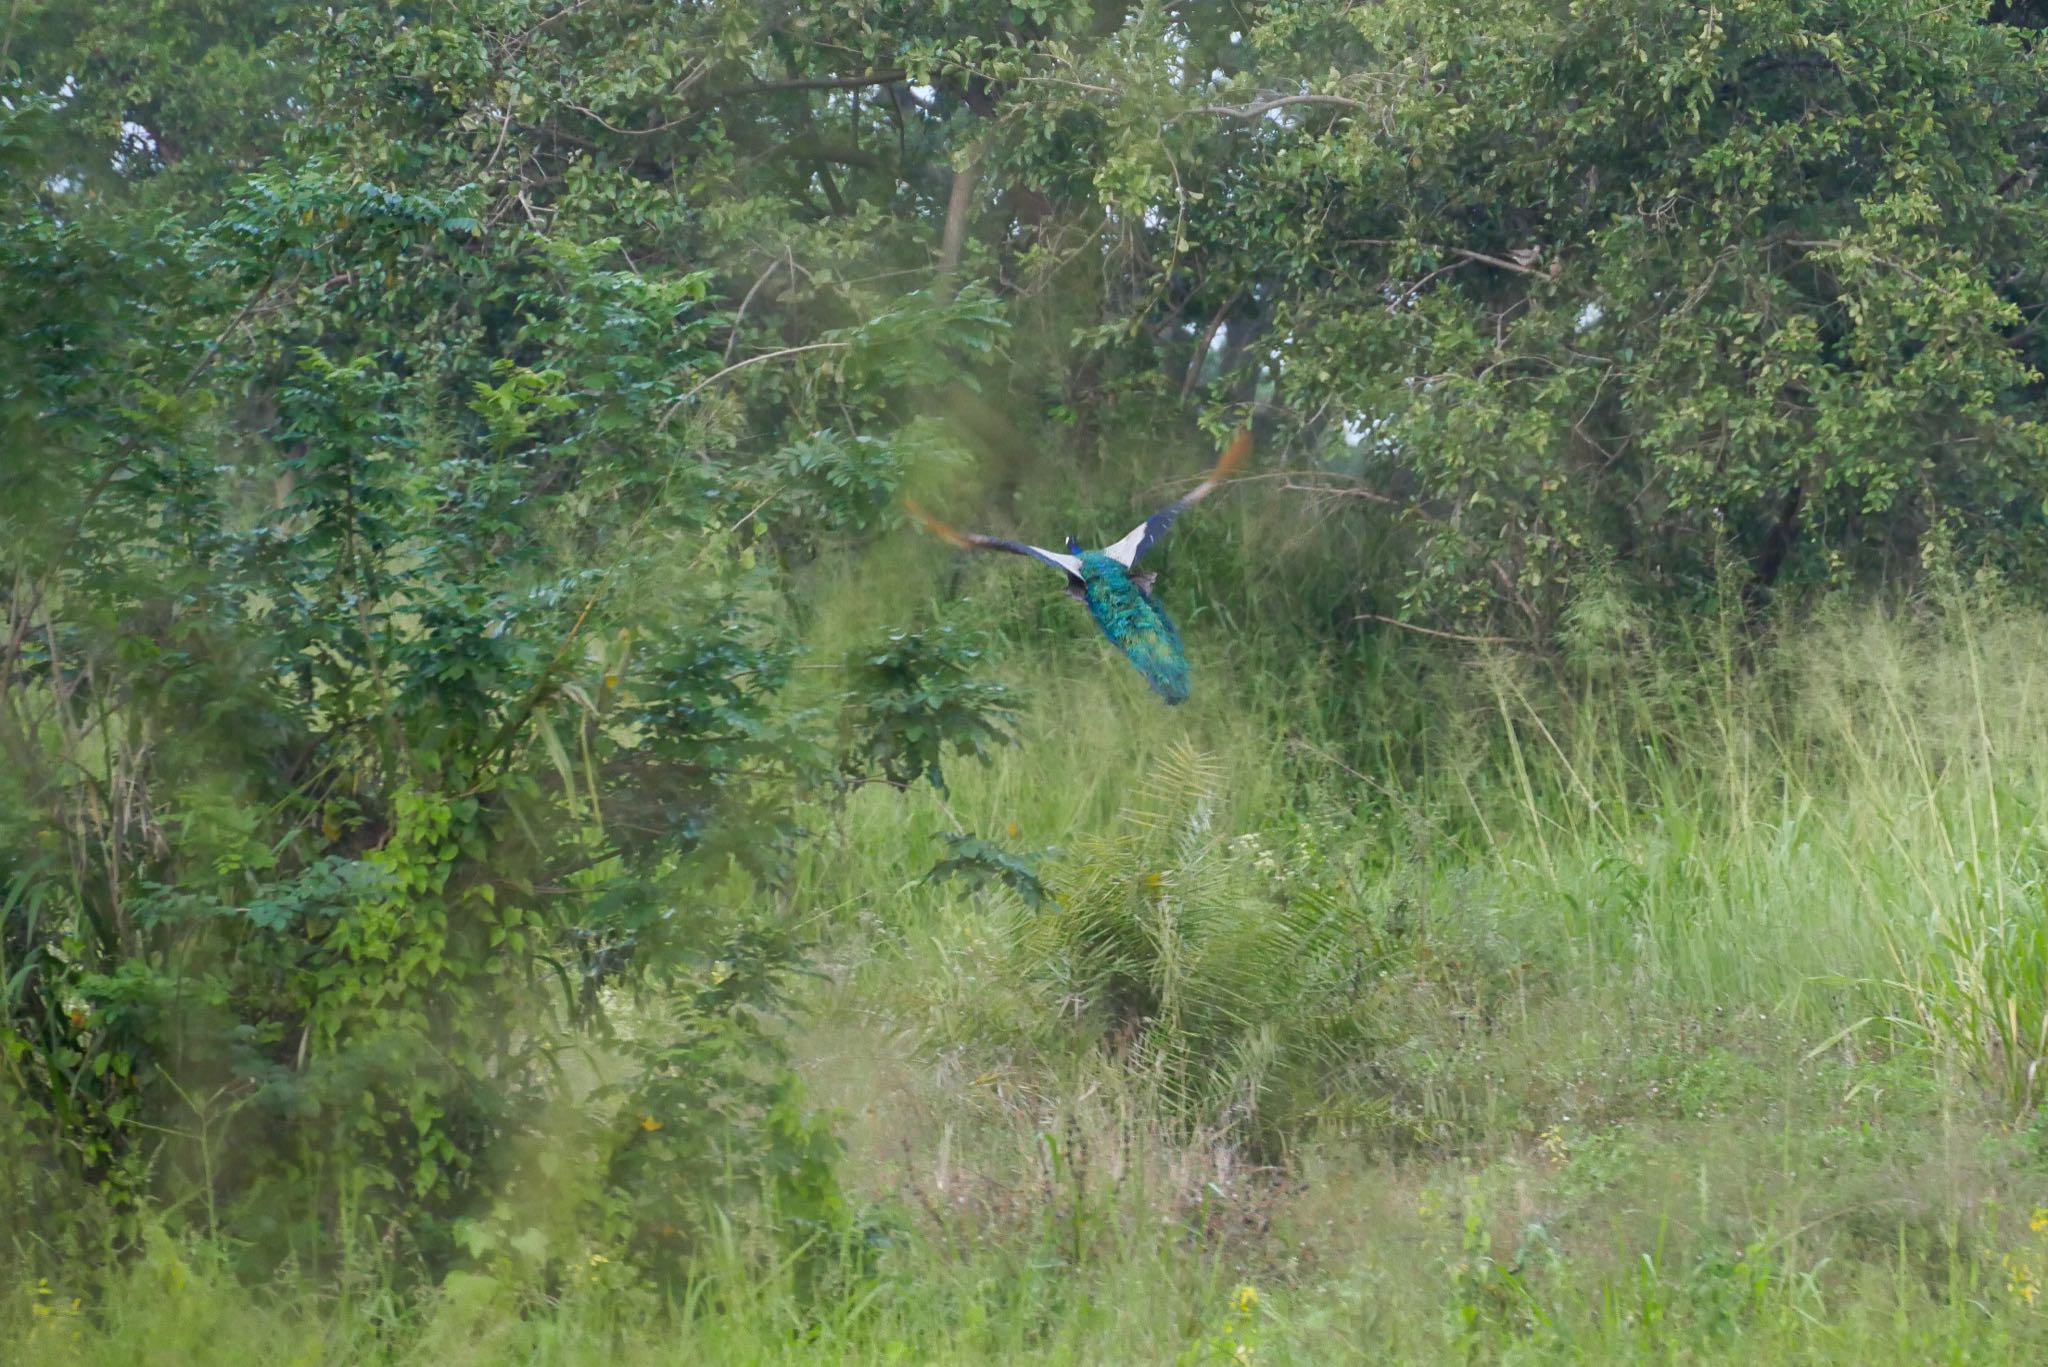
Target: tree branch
point(1502, 263)
point(647, 132)
point(740, 317)
point(854, 82)
point(1208, 340)
point(958, 206)
point(1267, 106)
point(1432, 631)
point(1335, 491)
point(686, 395)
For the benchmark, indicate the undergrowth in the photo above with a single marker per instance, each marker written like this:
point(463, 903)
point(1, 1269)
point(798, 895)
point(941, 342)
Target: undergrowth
point(1686, 1001)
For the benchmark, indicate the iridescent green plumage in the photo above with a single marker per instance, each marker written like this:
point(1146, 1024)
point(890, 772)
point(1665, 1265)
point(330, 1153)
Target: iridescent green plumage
point(1118, 598)
point(1136, 624)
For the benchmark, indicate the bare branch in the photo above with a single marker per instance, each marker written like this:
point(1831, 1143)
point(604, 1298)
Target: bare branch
point(1336, 491)
point(740, 317)
point(854, 82)
point(1502, 263)
point(1527, 267)
point(687, 394)
point(1267, 106)
point(1432, 631)
point(609, 126)
point(958, 205)
point(1187, 384)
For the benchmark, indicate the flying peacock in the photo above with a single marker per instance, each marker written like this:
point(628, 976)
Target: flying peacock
point(1118, 596)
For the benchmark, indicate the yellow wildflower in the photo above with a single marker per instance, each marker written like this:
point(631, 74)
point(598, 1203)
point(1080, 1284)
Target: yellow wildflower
point(2021, 1282)
point(2040, 1220)
point(649, 1123)
point(1246, 1300)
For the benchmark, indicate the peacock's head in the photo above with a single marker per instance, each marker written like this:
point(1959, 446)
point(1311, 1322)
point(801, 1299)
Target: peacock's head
point(1073, 546)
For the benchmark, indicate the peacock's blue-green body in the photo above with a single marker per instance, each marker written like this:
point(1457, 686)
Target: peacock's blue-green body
point(1135, 623)
point(1119, 596)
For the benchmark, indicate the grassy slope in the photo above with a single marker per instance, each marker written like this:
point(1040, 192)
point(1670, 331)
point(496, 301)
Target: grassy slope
point(1670, 1010)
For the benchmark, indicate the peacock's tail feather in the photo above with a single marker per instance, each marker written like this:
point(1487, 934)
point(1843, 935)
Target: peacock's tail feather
point(1135, 623)
point(1155, 650)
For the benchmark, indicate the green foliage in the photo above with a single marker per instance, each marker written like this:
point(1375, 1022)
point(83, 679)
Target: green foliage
point(713, 1123)
point(391, 669)
point(979, 862)
point(436, 447)
point(1233, 976)
point(912, 701)
point(1643, 1132)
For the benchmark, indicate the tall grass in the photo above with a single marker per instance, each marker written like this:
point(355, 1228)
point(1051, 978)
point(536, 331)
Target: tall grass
point(1681, 998)
point(1766, 912)
point(1847, 830)
point(1841, 826)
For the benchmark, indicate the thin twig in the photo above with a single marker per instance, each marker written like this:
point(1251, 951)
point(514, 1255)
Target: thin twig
point(562, 13)
point(1335, 491)
point(1297, 743)
point(733, 340)
point(1187, 384)
point(854, 82)
point(629, 132)
point(1253, 111)
point(1432, 631)
point(687, 394)
point(712, 544)
point(1408, 295)
point(504, 131)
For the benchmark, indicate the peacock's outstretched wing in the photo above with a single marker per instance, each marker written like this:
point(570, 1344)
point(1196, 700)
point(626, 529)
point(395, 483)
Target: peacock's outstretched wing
point(1070, 565)
point(1142, 537)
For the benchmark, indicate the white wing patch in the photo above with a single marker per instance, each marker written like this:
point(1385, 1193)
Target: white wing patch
point(1070, 563)
point(1126, 551)
point(1140, 538)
